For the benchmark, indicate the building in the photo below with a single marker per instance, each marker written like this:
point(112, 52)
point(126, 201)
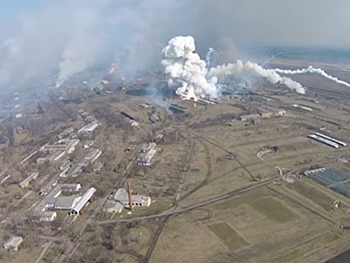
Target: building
point(147, 154)
point(88, 144)
point(323, 140)
point(92, 155)
point(65, 202)
point(66, 164)
point(25, 183)
point(84, 200)
point(121, 196)
point(73, 171)
point(281, 112)
point(90, 119)
point(63, 145)
point(13, 242)
point(70, 188)
point(65, 133)
point(48, 216)
point(51, 158)
point(250, 117)
point(45, 209)
point(302, 107)
point(89, 128)
point(266, 114)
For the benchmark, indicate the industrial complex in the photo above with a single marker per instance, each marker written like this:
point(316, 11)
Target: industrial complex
point(109, 166)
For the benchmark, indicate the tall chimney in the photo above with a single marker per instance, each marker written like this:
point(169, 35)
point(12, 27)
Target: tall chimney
point(129, 194)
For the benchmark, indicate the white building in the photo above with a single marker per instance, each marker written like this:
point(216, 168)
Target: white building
point(121, 196)
point(89, 128)
point(65, 202)
point(147, 154)
point(70, 188)
point(48, 216)
point(63, 145)
point(92, 155)
point(65, 133)
point(84, 200)
point(13, 242)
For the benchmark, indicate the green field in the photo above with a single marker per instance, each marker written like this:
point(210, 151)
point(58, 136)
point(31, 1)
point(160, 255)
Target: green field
point(244, 199)
point(273, 209)
point(318, 197)
point(228, 236)
point(288, 257)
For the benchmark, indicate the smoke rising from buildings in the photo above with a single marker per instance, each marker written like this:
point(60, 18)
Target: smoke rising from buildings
point(72, 36)
point(190, 73)
point(187, 68)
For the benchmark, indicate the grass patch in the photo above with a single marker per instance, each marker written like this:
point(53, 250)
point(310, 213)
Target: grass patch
point(228, 236)
point(273, 209)
point(313, 194)
point(244, 199)
point(331, 238)
point(287, 257)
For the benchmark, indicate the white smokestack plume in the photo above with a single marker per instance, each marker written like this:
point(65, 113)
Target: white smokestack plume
point(313, 70)
point(224, 71)
point(186, 67)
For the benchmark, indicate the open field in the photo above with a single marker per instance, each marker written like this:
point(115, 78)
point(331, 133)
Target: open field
point(219, 191)
point(228, 236)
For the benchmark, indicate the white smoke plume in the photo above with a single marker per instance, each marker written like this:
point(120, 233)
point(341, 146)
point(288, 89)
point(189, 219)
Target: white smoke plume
point(187, 68)
point(211, 57)
point(223, 71)
point(312, 70)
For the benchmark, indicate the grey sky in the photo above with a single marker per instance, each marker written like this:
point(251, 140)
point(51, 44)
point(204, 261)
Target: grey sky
point(74, 35)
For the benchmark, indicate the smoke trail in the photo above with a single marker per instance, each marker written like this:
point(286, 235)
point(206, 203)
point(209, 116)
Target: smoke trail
point(223, 71)
point(313, 70)
point(211, 58)
point(272, 58)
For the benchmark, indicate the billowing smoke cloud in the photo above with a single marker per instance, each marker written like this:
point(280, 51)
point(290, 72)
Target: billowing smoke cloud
point(70, 36)
point(313, 70)
point(187, 69)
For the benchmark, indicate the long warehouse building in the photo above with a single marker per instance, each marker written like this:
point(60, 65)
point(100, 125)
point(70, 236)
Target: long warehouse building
point(323, 140)
point(87, 197)
point(331, 139)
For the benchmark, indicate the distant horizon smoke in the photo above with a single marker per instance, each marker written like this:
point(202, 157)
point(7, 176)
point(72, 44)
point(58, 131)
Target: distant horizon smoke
point(186, 68)
point(311, 69)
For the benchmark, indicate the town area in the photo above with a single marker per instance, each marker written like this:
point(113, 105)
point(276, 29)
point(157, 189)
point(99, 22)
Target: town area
point(120, 170)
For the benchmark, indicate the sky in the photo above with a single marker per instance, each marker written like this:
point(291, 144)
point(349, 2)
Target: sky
point(13, 8)
point(66, 37)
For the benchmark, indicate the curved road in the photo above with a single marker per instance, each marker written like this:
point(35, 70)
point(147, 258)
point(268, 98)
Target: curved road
point(195, 206)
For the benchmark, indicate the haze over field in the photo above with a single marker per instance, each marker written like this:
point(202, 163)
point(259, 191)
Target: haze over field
point(68, 37)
